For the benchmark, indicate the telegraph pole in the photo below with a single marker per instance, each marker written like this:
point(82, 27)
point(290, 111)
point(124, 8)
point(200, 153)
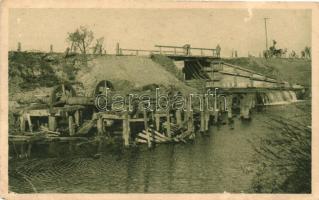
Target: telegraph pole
point(265, 19)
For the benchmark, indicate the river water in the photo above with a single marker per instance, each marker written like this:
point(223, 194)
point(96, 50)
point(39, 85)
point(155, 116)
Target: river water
point(219, 162)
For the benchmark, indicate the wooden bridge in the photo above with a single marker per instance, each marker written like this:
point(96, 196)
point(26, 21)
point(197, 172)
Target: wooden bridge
point(174, 52)
point(204, 65)
point(218, 74)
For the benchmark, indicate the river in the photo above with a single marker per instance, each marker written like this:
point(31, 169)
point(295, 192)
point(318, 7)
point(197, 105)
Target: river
point(217, 163)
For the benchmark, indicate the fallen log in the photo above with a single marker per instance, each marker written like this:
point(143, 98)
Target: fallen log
point(155, 136)
point(141, 141)
point(144, 136)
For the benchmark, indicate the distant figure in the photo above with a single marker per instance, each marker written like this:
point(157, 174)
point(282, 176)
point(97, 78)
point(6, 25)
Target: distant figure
point(19, 47)
point(308, 52)
point(187, 49)
point(218, 49)
point(236, 55)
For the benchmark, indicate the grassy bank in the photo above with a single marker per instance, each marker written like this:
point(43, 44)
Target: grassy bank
point(291, 70)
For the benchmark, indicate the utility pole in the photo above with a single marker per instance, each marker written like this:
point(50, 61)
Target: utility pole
point(265, 19)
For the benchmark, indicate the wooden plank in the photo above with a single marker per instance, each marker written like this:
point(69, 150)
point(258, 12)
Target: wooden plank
point(147, 136)
point(141, 141)
point(39, 113)
point(86, 127)
point(137, 120)
point(111, 116)
point(158, 138)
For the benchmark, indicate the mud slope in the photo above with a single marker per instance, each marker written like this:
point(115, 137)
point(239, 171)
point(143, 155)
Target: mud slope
point(127, 72)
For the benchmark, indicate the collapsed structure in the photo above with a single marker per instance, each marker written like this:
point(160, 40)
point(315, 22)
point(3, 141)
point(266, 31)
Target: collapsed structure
point(65, 116)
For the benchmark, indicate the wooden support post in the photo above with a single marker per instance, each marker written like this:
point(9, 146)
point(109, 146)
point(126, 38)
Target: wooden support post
point(22, 122)
point(216, 116)
point(178, 116)
point(149, 142)
point(202, 121)
point(71, 126)
point(29, 149)
point(245, 107)
point(29, 122)
point(126, 129)
point(99, 125)
point(145, 120)
point(190, 119)
point(168, 121)
point(77, 117)
point(207, 115)
point(229, 105)
point(157, 121)
point(52, 123)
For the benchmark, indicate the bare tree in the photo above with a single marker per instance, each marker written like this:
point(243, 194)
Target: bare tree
point(81, 38)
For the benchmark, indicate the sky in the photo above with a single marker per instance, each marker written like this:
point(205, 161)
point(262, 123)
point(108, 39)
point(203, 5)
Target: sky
point(233, 29)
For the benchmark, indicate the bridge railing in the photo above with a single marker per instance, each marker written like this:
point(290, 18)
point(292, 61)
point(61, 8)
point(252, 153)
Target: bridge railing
point(171, 51)
point(136, 52)
point(187, 51)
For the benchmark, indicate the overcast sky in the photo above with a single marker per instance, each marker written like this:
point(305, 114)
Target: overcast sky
point(239, 29)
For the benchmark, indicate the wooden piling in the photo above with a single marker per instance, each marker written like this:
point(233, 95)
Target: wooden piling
point(29, 122)
point(190, 118)
point(126, 129)
point(202, 121)
point(178, 115)
point(145, 120)
point(22, 123)
point(99, 125)
point(229, 105)
point(245, 107)
point(207, 116)
point(71, 126)
point(157, 121)
point(52, 123)
point(149, 142)
point(168, 121)
point(77, 117)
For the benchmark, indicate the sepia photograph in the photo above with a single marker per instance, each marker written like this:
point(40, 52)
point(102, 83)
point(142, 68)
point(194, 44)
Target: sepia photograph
point(159, 100)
